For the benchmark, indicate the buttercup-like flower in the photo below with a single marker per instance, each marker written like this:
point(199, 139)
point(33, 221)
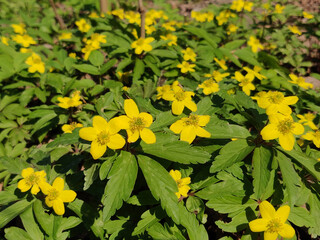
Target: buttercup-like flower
point(56, 196)
point(142, 44)
point(133, 17)
point(135, 123)
point(217, 76)
point(83, 26)
point(68, 128)
point(118, 12)
point(173, 39)
point(231, 28)
point(31, 179)
point(190, 127)
point(209, 86)
point(222, 63)
point(314, 137)
point(65, 36)
point(163, 89)
point(245, 82)
point(19, 28)
point(189, 54)
point(294, 29)
point(255, 44)
point(272, 223)
point(181, 182)
point(284, 128)
point(278, 8)
point(25, 40)
point(180, 99)
point(307, 120)
point(35, 63)
point(300, 81)
point(255, 72)
point(74, 101)
point(307, 15)
point(186, 67)
point(102, 134)
point(5, 40)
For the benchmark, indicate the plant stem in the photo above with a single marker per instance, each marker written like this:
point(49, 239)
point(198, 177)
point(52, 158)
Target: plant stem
point(103, 6)
point(142, 12)
point(58, 17)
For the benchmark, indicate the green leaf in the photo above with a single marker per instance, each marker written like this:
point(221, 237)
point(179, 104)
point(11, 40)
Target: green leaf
point(41, 94)
point(158, 232)
point(247, 56)
point(261, 163)
point(65, 139)
point(164, 53)
point(238, 223)
point(30, 224)
point(290, 177)
point(105, 67)
point(86, 68)
point(161, 185)
point(96, 58)
point(153, 64)
point(234, 44)
point(162, 120)
point(232, 152)
point(230, 56)
point(45, 220)
point(122, 178)
point(7, 197)
point(138, 70)
point(14, 233)
point(203, 34)
point(106, 166)
point(170, 148)
point(13, 211)
point(314, 203)
point(301, 217)
point(90, 175)
point(43, 121)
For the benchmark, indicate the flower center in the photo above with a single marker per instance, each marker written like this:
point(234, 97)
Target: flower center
point(103, 138)
point(192, 120)
point(274, 225)
point(140, 42)
point(208, 83)
point(137, 124)
point(36, 61)
point(317, 134)
point(180, 96)
point(245, 81)
point(275, 97)
point(53, 194)
point(285, 126)
point(32, 179)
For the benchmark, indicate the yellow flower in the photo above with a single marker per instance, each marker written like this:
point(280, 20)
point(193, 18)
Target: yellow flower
point(133, 17)
point(162, 90)
point(190, 127)
point(118, 12)
point(25, 50)
point(272, 222)
point(224, 16)
point(56, 196)
point(142, 44)
point(135, 123)
point(307, 120)
point(5, 40)
point(222, 63)
point(68, 128)
point(93, 15)
point(67, 102)
point(216, 75)
point(248, 6)
point(125, 89)
point(73, 55)
point(231, 28)
point(209, 86)
point(300, 81)
point(103, 134)
point(19, 28)
point(36, 64)
point(189, 54)
point(88, 49)
point(295, 29)
point(181, 182)
point(83, 26)
point(275, 102)
point(96, 39)
point(65, 36)
point(168, 26)
point(186, 67)
point(245, 82)
point(313, 136)
point(24, 40)
point(284, 128)
point(278, 8)
point(180, 99)
point(307, 15)
point(255, 44)
point(198, 16)
point(173, 39)
point(237, 5)
point(150, 29)
point(255, 72)
point(31, 179)
point(231, 91)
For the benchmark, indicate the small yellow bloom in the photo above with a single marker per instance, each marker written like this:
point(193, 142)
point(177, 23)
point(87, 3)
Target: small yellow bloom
point(31, 179)
point(180, 99)
point(150, 29)
point(313, 136)
point(231, 91)
point(173, 39)
point(237, 5)
point(93, 15)
point(25, 50)
point(142, 44)
point(300, 81)
point(25, 40)
point(307, 15)
point(67, 102)
point(19, 28)
point(73, 55)
point(65, 36)
point(135, 123)
point(284, 128)
point(181, 182)
point(118, 12)
point(83, 26)
point(56, 196)
point(198, 16)
point(222, 63)
point(168, 26)
point(217, 76)
point(307, 120)
point(68, 128)
point(133, 17)
point(255, 72)
point(245, 82)
point(190, 127)
point(278, 8)
point(255, 44)
point(162, 90)
point(224, 16)
point(125, 89)
point(294, 29)
point(35, 63)
point(189, 54)
point(248, 6)
point(231, 28)
point(272, 222)
point(186, 67)
point(88, 49)
point(209, 86)
point(96, 39)
point(103, 134)
point(5, 40)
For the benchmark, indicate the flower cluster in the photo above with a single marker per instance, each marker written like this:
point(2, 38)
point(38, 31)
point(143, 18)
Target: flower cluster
point(182, 183)
point(93, 44)
point(72, 101)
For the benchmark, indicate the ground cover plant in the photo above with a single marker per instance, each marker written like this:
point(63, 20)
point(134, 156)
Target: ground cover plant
point(122, 121)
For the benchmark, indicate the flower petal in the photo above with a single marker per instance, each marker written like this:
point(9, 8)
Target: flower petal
point(68, 195)
point(58, 184)
point(297, 129)
point(45, 187)
point(131, 108)
point(191, 105)
point(35, 189)
point(283, 213)
point(188, 134)
point(290, 100)
point(177, 126)
point(23, 186)
point(49, 202)
point(97, 150)
point(287, 231)
point(147, 136)
point(175, 174)
point(88, 133)
point(122, 121)
point(58, 206)
point(203, 120)
point(27, 172)
point(177, 107)
point(132, 136)
point(99, 123)
point(267, 210)
point(258, 225)
point(148, 119)
point(184, 190)
point(270, 235)
point(287, 141)
point(284, 109)
point(270, 132)
point(202, 133)
point(116, 141)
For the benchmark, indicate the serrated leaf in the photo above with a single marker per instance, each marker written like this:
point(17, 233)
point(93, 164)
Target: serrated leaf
point(170, 148)
point(232, 152)
point(14, 233)
point(90, 175)
point(106, 166)
point(301, 217)
point(65, 139)
point(122, 178)
point(138, 69)
point(158, 232)
point(238, 223)
point(314, 203)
